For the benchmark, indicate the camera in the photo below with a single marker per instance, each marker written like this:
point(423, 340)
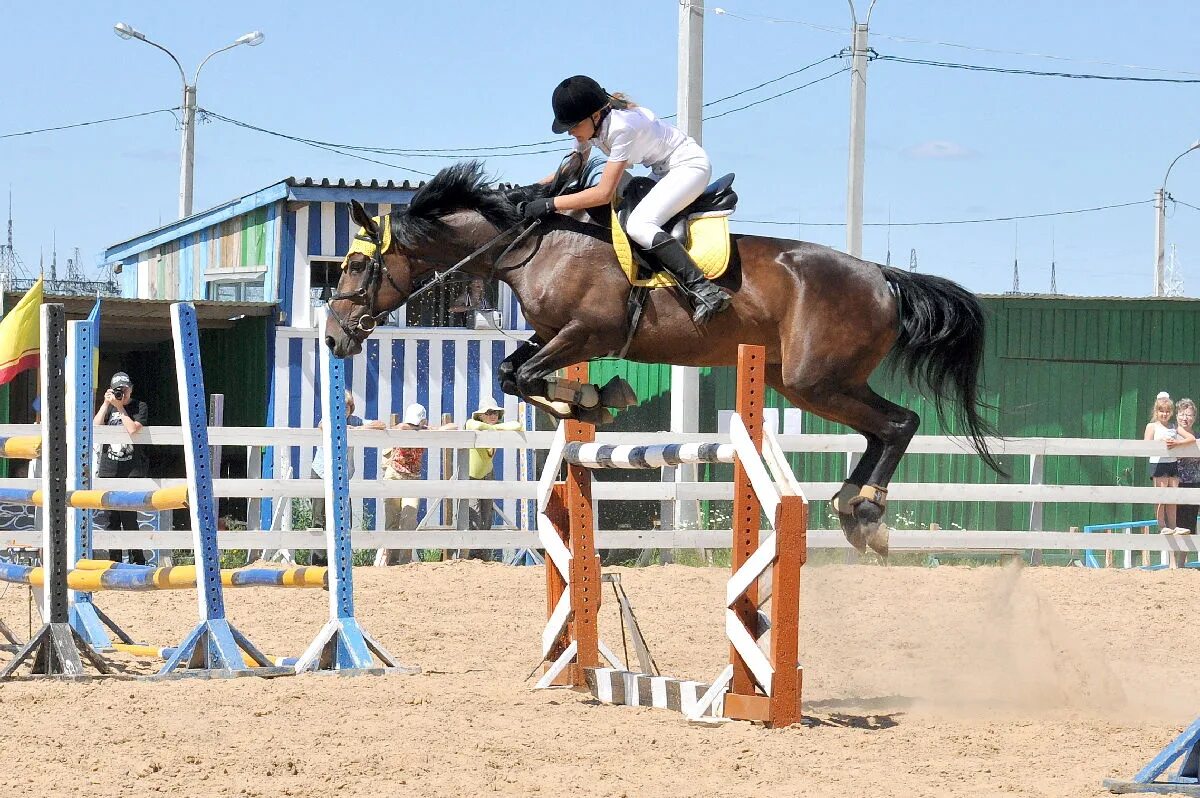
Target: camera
point(119, 392)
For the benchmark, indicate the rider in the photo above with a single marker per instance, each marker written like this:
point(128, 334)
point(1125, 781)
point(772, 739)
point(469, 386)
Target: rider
point(629, 134)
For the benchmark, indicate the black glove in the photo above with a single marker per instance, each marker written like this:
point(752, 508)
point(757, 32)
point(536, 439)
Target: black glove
point(537, 209)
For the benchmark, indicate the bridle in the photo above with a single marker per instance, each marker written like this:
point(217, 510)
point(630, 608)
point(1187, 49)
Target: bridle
point(367, 293)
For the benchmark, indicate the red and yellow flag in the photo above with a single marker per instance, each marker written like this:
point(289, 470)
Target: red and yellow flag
point(20, 335)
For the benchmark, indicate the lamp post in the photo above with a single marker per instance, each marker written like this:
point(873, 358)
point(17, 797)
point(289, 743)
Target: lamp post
point(1160, 224)
point(187, 152)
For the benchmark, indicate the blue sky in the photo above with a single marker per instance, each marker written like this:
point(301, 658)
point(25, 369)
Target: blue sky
point(941, 144)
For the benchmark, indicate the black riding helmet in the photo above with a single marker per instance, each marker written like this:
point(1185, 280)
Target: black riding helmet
point(575, 99)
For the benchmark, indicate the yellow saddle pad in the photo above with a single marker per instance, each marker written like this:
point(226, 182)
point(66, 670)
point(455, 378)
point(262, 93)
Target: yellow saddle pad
point(708, 244)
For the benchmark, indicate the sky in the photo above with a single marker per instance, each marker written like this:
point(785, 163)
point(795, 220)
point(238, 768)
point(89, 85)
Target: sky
point(942, 144)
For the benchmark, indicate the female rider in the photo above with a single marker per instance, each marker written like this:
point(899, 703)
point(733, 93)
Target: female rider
point(630, 134)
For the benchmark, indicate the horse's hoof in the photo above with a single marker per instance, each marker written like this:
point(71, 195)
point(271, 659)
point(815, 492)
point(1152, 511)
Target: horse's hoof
point(877, 539)
point(854, 533)
point(597, 416)
point(559, 410)
point(618, 394)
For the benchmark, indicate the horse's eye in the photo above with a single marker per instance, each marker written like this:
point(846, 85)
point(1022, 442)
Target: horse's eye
point(357, 265)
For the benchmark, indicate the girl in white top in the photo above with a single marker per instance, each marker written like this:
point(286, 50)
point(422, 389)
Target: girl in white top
point(1163, 469)
point(629, 134)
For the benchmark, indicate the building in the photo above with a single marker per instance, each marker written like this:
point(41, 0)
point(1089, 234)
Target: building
point(283, 245)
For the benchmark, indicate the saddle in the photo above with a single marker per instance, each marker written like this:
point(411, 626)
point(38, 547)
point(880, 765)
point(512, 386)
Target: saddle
point(702, 227)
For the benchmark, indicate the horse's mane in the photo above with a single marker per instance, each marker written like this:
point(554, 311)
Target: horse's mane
point(466, 186)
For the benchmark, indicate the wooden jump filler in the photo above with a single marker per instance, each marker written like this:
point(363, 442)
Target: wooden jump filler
point(762, 681)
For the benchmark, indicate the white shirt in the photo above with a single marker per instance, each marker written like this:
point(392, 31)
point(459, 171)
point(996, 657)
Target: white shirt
point(635, 135)
point(1164, 433)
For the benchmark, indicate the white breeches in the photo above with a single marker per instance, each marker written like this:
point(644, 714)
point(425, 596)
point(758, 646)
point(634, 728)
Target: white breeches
point(688, 172)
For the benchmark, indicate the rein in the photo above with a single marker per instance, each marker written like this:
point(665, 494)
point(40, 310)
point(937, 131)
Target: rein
point(367, 293)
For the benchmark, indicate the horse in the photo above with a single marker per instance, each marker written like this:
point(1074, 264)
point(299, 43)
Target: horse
point(827, 319)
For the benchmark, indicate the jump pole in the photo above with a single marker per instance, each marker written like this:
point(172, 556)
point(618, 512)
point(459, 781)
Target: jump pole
point(213, 647)
point(85, 617)
point(56, 649)
point(342, 645)
point(756, 685)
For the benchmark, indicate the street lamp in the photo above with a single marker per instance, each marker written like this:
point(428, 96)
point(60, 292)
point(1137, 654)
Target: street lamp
point(1160, 224)
point(187, 154)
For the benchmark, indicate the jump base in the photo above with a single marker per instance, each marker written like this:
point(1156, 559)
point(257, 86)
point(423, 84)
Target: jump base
point(344, 646)
point(58, 651)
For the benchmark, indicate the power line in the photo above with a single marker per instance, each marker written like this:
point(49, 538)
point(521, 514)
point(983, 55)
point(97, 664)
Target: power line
point(952, 221)
point(1033, 72)
point(310, 142)
point(1185, 204)
point(494, 151)
point(777, 96)
point(748, 17)
point(89, 123)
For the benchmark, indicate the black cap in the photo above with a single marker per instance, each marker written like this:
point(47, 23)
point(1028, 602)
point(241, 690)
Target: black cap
point(575, 99)
point(120, 380)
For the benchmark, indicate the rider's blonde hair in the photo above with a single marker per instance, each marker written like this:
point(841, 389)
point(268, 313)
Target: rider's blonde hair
point(620, 100)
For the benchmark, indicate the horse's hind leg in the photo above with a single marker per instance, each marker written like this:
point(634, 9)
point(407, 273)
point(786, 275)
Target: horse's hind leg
point(888, 429)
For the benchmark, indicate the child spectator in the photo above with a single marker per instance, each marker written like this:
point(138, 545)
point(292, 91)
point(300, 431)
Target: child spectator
point(1164, 469)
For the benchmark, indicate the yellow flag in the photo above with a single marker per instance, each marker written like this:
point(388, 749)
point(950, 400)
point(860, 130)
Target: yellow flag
point(20, 335)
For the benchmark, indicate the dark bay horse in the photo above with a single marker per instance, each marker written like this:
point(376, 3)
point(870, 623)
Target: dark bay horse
point(827, 319)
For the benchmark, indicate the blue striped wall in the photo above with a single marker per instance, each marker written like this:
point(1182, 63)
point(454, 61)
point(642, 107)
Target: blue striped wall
point(446, 371)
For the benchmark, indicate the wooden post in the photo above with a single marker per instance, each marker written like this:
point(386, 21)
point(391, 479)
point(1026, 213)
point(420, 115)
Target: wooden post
point(570, 511)
point(585, 564)
point(746, 508)
point(791, 552)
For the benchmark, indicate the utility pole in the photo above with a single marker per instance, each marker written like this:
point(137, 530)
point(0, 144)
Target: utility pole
point(858, 132)
point(1160, 234)
point(685, 380)
point(1160, 224)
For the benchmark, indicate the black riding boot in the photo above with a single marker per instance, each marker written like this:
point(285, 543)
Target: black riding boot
point(706, 299)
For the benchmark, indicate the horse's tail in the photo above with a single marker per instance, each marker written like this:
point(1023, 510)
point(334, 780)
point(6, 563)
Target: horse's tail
point(940, 348)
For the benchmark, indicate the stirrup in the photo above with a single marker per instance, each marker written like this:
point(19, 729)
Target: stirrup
point(703, 309)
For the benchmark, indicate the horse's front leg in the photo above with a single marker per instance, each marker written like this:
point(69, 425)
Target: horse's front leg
point(506, 374)
point(564, 398)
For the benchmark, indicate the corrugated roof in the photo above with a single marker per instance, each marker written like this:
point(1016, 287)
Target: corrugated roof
point(325, 182)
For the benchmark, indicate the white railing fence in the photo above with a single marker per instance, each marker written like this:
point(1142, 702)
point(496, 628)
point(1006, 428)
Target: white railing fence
point(1035, 493)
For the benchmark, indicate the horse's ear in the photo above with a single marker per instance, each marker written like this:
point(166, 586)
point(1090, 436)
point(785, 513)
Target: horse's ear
point(359, 214)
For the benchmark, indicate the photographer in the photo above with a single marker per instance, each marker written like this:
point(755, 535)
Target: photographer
point(121, 460)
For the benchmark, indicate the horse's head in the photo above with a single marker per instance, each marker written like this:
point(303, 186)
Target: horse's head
point(454, 221)
point(377, 277)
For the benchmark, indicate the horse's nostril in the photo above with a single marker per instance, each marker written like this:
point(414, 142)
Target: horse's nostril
point(329, 342)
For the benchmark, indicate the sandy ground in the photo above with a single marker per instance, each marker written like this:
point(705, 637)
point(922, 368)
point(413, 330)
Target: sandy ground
point(918, 682)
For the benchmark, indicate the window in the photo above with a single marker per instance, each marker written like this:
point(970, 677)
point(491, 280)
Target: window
point(235, 285)
point(434, 307)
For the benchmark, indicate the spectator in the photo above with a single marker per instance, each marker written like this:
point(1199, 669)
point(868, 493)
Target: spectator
point(471, 300)
point(1188, 467)
point(321, 557)
point(481, 466)
point(400, 462)
point(1164, 470)
point(122, 460)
